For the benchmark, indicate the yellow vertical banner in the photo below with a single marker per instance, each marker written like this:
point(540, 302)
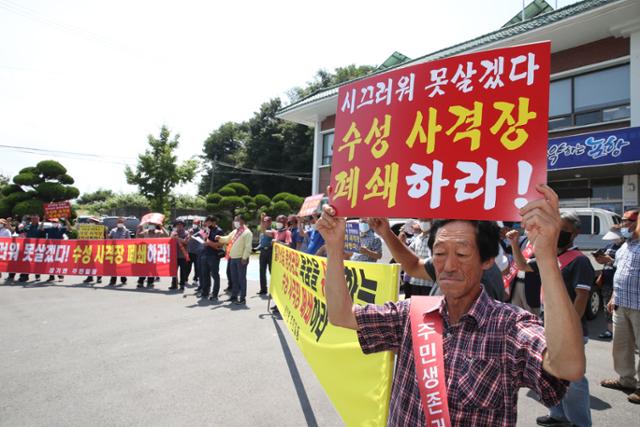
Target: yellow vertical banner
point(358, 385)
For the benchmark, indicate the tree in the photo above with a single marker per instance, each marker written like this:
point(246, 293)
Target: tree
point(324, 79)
point(99, 195)
point(158, 171)
point(34, 186)
point(224, 145)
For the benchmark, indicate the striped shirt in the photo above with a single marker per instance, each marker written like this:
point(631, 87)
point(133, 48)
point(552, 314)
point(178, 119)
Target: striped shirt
point(493, 350)
point(626, 281)
point(370, 241)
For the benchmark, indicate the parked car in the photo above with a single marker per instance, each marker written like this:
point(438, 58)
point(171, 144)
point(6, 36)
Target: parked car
point(595, 224)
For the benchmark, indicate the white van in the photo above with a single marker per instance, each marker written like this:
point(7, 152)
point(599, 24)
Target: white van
point(595, 224)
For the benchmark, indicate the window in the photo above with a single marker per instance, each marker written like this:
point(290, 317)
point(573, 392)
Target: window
point(586, 226)
point(327, 148)
point(596, 97)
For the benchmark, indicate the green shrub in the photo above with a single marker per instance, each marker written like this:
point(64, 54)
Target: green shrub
point(27, 178)
point(280, 196)
point(247, 199)
point(213, 198)
point(30, 169)
point(13, 188)
point(294, 201)
point(51, 169)
point(231, 203)
point(66, 179)
point(227, 191)
point(5, 208)
point(279, 208)
point(262, 200)
point(240, 188)
point(71, 193)
point(28, 207)
point(17, 197)
point(51, 191)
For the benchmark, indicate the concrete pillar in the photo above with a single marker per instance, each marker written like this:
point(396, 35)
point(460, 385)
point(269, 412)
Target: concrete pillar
point(634, 74)
point(317, 157)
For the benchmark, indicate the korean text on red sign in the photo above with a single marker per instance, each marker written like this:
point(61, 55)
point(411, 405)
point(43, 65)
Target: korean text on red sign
point(463, 137)
point(132, 257)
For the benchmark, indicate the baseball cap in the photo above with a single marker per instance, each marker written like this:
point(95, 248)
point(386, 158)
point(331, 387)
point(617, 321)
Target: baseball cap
point(630, 215)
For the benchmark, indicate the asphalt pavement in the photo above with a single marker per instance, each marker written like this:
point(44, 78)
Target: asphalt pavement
point(73, 354)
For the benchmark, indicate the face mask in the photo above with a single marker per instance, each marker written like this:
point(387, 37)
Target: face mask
point(120, 226)
point(151, 227)
point(236, 224)
point(312, 227)
point(1, 226)
point(364, 227)
point(279, 226)
point(625, 232)
point(425, 225)
point(564, 239)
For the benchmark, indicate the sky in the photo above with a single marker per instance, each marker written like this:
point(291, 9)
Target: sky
point(97, 78)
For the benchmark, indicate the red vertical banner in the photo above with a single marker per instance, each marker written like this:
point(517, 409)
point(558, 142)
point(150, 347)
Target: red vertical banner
point(463, 137)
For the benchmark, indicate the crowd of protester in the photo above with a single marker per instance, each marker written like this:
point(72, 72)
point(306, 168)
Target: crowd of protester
point(513, 277)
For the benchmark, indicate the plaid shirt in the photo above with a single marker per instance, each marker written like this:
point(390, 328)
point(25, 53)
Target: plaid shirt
point(626, 281)
point(493, 351)
point(420, 247)
point(370, 241)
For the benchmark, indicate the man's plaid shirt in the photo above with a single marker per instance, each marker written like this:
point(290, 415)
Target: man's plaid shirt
point(626, 281)
point(494, 350)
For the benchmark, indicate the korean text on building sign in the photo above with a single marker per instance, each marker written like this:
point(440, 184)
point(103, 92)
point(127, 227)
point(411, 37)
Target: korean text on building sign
point(135, 257)
point(463, 137)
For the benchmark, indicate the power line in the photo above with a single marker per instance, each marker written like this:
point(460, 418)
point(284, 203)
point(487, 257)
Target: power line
point(264, 173)
point(69, 154)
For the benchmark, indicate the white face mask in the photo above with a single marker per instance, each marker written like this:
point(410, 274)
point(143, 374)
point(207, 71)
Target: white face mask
point(236, 224)
point(364, 227)
point(425, 225)
point(625, 232)
point(279, 226)
point(121, 226)
point(312, 227)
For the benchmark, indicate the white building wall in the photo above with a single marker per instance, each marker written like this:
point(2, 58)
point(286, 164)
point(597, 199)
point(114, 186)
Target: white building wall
point(317, 158)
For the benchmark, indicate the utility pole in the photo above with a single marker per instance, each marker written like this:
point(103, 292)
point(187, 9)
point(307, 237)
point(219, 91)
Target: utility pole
point(213, 171)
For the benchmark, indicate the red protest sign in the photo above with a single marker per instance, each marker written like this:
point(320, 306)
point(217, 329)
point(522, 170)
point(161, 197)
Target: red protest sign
point(57, 210)
point(311, 205)
point(133, 257)
point(463, 137)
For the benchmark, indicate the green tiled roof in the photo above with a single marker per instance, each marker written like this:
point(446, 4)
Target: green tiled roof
point(503, 33)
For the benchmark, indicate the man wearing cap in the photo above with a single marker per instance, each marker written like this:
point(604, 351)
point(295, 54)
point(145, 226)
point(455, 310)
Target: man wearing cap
point(194, 248)
point(119, 232)
point(625, 305)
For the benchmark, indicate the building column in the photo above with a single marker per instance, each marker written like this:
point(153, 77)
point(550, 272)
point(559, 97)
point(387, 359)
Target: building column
point(630, 189)
point(317, 156)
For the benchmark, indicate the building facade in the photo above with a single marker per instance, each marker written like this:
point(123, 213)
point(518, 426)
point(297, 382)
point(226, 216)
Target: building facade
point(594, 102)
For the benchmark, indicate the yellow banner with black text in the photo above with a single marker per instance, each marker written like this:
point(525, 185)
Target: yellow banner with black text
point(358, 385)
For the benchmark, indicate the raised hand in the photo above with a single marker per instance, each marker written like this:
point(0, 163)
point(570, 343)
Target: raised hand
point(331, 227)
point(379, 225)
point(541, 220)
point(513, 236)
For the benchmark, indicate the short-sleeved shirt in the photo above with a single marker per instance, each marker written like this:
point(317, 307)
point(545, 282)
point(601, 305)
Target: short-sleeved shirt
point(419, 246)
point(626, 281)
point(315, 242)
point(34, 232)
point(264, 241)
point(208, 250)
point(119, 233)
point(193, 246)
point(296, 238)
point(55, 233)
point(494, 350)
point(578, 274)
point(181, 234)
point(491, 280)
point(370, 241)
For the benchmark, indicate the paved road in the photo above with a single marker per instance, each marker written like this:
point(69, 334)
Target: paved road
point(78, 355)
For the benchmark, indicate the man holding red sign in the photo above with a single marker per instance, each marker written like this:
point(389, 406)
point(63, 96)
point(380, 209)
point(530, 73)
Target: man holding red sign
point(477, 353)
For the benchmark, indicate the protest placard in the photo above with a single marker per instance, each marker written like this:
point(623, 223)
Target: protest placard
point(152, 218)
point(297, 286)
point(463, 137)
point(311, 205)
point(91, 231)
point(57, 210)
point(133, 257)
point(352, 238)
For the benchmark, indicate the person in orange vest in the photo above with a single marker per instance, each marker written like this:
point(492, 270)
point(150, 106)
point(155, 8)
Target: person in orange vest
point(238, 252)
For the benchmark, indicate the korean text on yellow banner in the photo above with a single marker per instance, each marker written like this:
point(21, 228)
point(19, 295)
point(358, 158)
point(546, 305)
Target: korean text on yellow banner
point(91, 231)
point(358, 385)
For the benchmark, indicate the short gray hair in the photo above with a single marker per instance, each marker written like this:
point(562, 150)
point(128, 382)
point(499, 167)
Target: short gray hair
point(571, 217)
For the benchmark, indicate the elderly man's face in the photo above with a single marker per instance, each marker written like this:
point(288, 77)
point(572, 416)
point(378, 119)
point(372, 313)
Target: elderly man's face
point(456, 259)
